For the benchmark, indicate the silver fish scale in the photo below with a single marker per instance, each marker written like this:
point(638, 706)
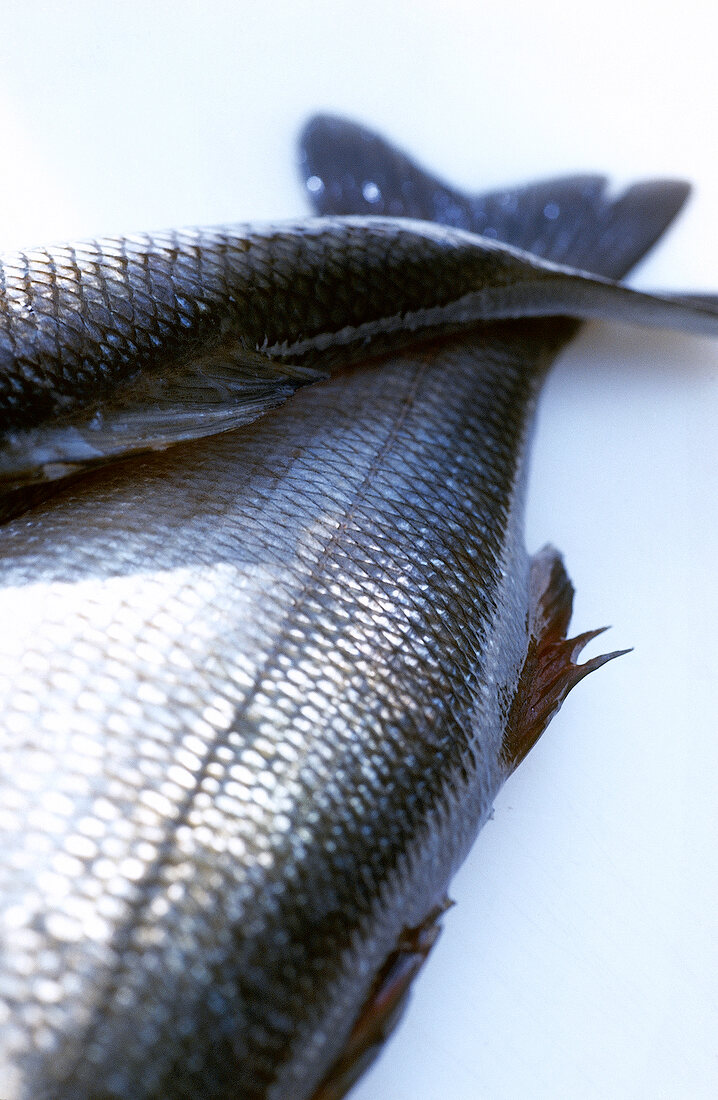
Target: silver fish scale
point(241, 742)
point(76, 319)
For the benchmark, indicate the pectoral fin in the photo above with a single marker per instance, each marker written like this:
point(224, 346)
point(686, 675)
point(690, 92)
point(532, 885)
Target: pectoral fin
point(550, 670)
point(209, 393)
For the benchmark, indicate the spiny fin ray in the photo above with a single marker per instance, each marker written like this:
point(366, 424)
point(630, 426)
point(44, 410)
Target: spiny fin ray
point(551, 669)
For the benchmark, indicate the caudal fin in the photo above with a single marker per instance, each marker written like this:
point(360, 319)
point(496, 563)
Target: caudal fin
point(573, 220)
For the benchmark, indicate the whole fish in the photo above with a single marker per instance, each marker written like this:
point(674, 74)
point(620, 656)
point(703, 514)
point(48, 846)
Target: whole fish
point(259, 691)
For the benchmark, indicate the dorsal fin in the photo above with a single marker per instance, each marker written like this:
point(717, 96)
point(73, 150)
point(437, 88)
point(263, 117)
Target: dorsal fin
point(550, 670)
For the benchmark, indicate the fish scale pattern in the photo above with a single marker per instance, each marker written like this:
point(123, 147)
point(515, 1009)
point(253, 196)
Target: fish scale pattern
point(261, 745)
point(76, 320)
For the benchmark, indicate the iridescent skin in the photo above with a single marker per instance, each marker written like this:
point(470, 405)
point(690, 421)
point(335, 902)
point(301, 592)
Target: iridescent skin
point(122, 345)
point(265, 742)
point(256, 689)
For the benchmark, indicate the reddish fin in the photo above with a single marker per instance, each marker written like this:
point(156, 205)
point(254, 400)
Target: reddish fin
point(550, 669)
point(383, 1007)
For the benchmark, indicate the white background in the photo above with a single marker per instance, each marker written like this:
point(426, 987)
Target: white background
point(581, 959)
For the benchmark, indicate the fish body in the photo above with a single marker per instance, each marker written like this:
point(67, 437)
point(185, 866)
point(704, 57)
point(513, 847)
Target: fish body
point(274, 684)
point(117, 346)
point(262, 688)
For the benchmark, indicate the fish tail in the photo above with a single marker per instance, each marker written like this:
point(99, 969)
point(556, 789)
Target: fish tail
point(574, 220)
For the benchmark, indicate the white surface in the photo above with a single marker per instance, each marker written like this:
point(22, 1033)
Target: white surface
point(581, 958)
